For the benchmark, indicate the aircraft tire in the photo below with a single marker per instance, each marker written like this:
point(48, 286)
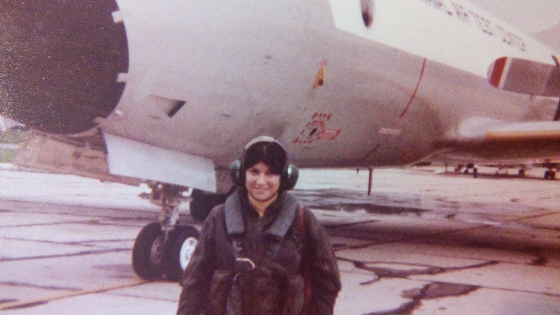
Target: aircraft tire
point(148, 252)
point(180, 250)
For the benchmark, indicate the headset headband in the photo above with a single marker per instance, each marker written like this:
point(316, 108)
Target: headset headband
point(263, 139)
point(289, 175)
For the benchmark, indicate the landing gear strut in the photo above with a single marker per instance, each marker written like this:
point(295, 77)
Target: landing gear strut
point(165, 247)
point(467, 167)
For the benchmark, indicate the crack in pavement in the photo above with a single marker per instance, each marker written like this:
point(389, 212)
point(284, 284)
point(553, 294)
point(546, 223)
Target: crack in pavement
point(382, 272)
point(430, 291)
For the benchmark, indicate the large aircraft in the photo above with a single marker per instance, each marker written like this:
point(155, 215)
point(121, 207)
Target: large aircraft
point(168, 91)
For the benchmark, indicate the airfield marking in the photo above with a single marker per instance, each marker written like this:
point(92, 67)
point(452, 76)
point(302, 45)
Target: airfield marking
point(29, 303)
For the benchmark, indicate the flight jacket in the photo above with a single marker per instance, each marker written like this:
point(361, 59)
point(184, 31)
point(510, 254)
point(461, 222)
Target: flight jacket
point(214, 256)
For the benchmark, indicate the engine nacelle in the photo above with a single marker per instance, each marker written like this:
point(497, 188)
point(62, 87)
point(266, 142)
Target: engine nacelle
point(60, 63)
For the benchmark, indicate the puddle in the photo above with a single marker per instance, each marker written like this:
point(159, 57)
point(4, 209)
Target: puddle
point(369, 208)
point(336, 200)
point(438, 290)
point(405, 270)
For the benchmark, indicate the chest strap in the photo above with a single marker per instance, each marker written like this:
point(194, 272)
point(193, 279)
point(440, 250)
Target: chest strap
point(236, 228)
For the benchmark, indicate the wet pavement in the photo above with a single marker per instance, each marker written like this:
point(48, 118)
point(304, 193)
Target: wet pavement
point(424, 242)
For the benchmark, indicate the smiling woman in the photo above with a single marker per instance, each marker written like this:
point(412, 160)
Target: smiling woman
point(262, 186)
point(260, 252)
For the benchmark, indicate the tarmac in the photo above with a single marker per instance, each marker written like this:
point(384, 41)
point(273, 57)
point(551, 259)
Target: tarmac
point(424, 242)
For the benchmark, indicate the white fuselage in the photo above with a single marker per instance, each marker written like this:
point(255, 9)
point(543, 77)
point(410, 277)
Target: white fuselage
point(417, 74)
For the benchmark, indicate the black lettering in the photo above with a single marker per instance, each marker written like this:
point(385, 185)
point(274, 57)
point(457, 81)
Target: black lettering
point(438, 4)
point(443, 7)
point(504, 35)
point(476, 19)
point(482, 23)
point(487, 26)
point(461, 13)
point(518, 42)
point(510, 38)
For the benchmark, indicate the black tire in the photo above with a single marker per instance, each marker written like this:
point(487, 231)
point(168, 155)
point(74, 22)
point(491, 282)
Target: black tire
point(180, 250)
point(551, 175)
point(148, 253)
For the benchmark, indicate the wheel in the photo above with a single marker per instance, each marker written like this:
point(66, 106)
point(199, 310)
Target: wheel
point(148, 252)
point(550, 175)
point(180, 251)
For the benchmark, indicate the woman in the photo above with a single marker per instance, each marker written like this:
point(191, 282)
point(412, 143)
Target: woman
point(256, 251)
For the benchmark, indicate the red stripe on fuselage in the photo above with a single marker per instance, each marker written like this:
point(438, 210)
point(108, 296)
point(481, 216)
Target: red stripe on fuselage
point(497, 71)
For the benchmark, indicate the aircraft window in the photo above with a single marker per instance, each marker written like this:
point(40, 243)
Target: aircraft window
point(367, 12)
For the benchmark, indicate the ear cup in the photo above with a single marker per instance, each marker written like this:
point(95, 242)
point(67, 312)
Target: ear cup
point(290, 177)
point(235, 172)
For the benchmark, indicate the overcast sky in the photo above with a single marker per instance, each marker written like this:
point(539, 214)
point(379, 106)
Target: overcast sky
point(540, 18)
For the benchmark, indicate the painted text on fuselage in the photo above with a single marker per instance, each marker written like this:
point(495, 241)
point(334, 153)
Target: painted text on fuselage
point(472, 18)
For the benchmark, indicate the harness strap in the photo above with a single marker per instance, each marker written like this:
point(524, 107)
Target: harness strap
point(308, 287)
point(236, 228)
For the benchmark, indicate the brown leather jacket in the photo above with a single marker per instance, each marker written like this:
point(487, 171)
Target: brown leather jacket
point(207, 279)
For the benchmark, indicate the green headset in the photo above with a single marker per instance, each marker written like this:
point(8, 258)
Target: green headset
point(289, 175)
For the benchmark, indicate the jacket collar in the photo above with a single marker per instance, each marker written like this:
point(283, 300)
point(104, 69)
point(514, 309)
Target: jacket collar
point(234, 215)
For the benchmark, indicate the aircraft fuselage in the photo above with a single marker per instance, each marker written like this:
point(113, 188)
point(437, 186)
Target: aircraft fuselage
point(204, 77)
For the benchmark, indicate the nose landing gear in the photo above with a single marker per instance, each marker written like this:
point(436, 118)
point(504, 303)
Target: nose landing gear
point(165, 247)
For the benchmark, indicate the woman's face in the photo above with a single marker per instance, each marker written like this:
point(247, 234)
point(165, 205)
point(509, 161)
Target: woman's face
point(261, 184)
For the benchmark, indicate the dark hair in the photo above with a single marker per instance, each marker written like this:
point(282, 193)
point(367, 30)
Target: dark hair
point(270, 153)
